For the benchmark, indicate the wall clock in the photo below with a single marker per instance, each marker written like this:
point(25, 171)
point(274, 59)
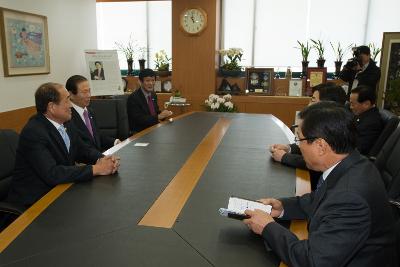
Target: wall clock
point(193, 21)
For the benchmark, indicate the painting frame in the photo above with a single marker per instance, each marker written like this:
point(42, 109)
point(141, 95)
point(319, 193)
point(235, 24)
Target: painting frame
point(316, 76)
point(263, 84)
point(390, 42)
point(24, 43)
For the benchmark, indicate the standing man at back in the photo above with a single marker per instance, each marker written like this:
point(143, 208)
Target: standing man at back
point(49, 147)
point(143, 110)
point(83, 117)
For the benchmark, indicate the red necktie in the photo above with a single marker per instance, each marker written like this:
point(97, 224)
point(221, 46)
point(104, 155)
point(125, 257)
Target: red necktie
point(151, 105)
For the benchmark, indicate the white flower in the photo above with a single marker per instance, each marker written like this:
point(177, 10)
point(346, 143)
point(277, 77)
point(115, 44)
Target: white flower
point(207, 102)
point(221, 100)
point(227, 97)
point(229, 105)
point(217, 105)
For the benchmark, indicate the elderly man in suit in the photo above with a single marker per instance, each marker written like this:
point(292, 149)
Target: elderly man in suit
point(350, 222)
point(143, 110)
point(49, 148)
point(83, 117)
point(367, 118)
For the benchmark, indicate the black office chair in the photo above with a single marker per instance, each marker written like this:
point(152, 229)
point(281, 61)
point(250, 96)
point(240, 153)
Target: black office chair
point(8, 148)
point(111, 117)
point(390, 123)
point(388, 165)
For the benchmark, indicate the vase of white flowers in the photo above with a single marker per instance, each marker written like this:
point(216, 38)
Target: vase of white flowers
point(216, 103)
point(230, 60)
point(162, 63)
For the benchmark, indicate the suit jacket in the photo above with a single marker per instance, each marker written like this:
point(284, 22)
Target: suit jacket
point(43, 161)
point(350, 222)
point(369, 126)
point(294, 158)
point(369, 77)
point(139, 113)
point(99, 141)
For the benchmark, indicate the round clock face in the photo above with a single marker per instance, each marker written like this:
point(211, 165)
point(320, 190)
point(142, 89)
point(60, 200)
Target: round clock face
point(193, 20)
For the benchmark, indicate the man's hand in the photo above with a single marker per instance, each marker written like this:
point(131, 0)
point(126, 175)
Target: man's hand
point(258, 220)
point(277, 206)
point(164, 114)
point(279, 147)
point(106, 166)
point(278, 154)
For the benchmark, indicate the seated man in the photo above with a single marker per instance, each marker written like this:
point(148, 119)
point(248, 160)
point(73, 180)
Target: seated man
point(142, 106)
point(83, 118)
point(49, 147)
point(290, 154)
point(367, 118)
point(350, 222)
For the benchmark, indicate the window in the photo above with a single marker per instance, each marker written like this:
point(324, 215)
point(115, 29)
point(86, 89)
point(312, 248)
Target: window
point(269, 29)
point(149, 23)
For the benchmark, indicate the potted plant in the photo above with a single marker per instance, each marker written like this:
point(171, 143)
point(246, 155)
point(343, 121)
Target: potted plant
point(305, 49)
point(129, 52)
point(339, 53)
point(374, 51)
point(162, 63)
point(216, 103)
point(142, 51)
point(230, 59)
point(319, 46)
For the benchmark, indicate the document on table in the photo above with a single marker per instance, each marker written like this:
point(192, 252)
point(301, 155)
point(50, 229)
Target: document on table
point(141, 144)
point(237, 206)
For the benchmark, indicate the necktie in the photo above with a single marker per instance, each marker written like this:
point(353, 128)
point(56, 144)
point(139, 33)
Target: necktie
point(87, 122)
point(151, 105)
point(64, 136)
point(320, 182)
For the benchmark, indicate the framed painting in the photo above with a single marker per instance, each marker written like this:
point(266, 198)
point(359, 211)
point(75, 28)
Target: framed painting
point(260, 80)
point(24, 43)
point(389, 84)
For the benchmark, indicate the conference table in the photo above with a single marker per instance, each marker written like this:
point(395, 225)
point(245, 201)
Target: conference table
point(161, 208)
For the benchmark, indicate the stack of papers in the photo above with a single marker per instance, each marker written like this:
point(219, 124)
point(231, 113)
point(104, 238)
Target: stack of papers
point(237, 206)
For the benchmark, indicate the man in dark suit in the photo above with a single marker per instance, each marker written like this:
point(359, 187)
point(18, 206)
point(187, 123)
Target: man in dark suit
point(367, 118)
point(290, 154)
point(350, 222)
point(83, 117)
point(143, 110)
point(361, 69)
point(49, 147)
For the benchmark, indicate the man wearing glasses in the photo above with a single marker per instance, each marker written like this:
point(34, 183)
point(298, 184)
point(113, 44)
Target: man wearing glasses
point(350, 222)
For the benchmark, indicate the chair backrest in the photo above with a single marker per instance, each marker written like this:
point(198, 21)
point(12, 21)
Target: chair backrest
point(111, 117)
point(8, 149)
point(390, 123)
point(388, 164)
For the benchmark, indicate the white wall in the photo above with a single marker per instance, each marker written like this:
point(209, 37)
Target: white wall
point(383, 17)
point(72, 28)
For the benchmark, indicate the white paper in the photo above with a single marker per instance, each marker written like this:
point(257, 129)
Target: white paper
point(239, 205)
point(141, 144)
point(117, 147)
point(109, 81)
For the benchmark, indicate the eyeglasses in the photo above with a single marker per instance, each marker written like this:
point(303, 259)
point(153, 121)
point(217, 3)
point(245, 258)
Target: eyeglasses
point(297, 139)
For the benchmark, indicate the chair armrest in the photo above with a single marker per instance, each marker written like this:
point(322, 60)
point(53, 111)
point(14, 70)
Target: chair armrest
point(9, 208)
point(395, 203)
